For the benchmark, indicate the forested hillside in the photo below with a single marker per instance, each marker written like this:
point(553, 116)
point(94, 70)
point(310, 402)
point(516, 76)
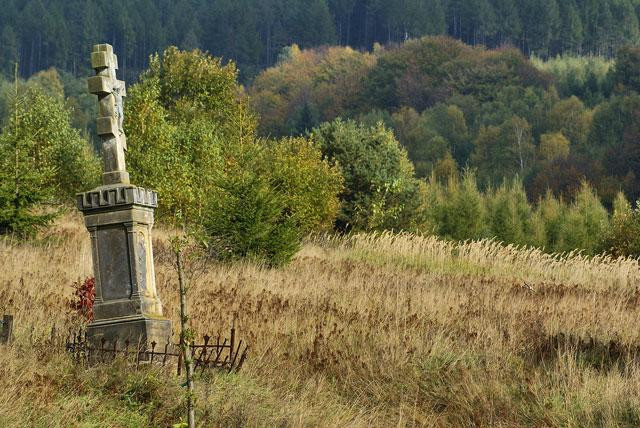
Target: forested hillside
point(477, 131)
point(58, 33)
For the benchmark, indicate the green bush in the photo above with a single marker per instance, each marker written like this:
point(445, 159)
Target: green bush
point(510, 215)
point(579, 225)
point(279, 192)
point(459, 210)
point(184, 120)
point(249, 220)
point(587, 221)
point(380, 190)
point(307, 183)
point(622, 238)
point(456, 209)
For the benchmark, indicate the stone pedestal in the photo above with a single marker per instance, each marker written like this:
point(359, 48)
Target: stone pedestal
point(127, 307)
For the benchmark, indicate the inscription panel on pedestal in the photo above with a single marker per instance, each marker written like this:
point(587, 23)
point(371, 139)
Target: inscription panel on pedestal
point(113, 250)
point(141, 263)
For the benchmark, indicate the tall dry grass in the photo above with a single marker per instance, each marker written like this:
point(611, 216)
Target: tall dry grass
point(369, 330)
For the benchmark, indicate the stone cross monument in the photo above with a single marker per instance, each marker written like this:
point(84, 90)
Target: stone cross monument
point(119, 217)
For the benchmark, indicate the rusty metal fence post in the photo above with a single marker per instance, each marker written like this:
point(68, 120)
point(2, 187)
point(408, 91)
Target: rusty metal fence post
point(6, 329)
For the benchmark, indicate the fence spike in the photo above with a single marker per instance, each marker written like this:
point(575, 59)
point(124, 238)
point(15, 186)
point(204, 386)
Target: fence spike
point(242, 358)
point(232, 362)
point(232, 340)
point(164, 358)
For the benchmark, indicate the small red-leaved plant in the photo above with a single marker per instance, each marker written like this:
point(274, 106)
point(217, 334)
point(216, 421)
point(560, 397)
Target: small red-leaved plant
point(84, 296)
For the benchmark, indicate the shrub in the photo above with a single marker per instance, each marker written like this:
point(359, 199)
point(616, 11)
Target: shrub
point(307, 183)
point(277, 193)
point(380, 190)
point(84, 295)
point(457, 209)
point(587, 221)
point(185, 119)
point(622, 238)
point(509, 214)
point(249, 220)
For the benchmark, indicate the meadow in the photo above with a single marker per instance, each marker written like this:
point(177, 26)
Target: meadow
point(364, 330)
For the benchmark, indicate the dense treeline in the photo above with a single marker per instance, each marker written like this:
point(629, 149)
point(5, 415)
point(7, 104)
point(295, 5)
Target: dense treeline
point(58, 33)
point(432, 136)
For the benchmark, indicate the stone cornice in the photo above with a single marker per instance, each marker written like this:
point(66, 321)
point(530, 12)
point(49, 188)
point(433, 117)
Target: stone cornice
point(110, 197)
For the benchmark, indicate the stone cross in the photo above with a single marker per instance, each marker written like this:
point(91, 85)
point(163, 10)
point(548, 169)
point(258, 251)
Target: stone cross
point(119, 217)
point(110, 92)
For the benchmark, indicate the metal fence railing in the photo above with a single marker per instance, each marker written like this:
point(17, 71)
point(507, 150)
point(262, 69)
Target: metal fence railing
point(221, 354)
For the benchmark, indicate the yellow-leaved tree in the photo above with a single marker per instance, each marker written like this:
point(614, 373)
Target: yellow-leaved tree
point(192, 137)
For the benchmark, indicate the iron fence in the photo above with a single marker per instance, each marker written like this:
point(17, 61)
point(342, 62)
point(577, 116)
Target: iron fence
point(221, 354)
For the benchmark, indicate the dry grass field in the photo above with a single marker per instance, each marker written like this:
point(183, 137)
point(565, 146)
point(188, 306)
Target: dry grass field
point(362, 331)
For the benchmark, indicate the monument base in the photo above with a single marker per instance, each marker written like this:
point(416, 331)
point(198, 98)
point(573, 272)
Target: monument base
point(139, 330)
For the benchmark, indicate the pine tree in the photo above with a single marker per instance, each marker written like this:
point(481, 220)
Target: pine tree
point(26, 171)
point(571, 34)
point(10, 48)
point(508, 24)
point(541, 21)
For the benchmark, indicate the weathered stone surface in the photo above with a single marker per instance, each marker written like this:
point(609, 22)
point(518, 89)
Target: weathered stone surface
point(113, 250)
point(107, 197)
point(122, 252)
point(137, 330)
point(110, 92)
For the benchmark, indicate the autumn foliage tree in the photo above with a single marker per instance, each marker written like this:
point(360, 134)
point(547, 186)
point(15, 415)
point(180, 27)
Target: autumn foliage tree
point(308, 87)
point(192, 137)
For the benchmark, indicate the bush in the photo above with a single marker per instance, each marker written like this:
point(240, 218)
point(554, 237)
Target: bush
point(587, 221)
point(510, 215)
point(457, 209)
point(380, 190)
point(307, 183)
point(622, 238)
point(579, 225)
point(276, 194)
point(84, 296)
point(249, 220)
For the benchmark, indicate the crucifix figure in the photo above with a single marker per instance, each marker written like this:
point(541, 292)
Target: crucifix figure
point(110, 92)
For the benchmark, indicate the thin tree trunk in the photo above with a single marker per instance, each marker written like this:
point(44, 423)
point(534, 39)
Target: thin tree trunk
point(185, 338)
point(519, 137)
point(16, 199)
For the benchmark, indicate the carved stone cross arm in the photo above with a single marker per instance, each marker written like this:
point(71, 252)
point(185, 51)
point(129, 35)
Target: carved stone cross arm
point(110, 92)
